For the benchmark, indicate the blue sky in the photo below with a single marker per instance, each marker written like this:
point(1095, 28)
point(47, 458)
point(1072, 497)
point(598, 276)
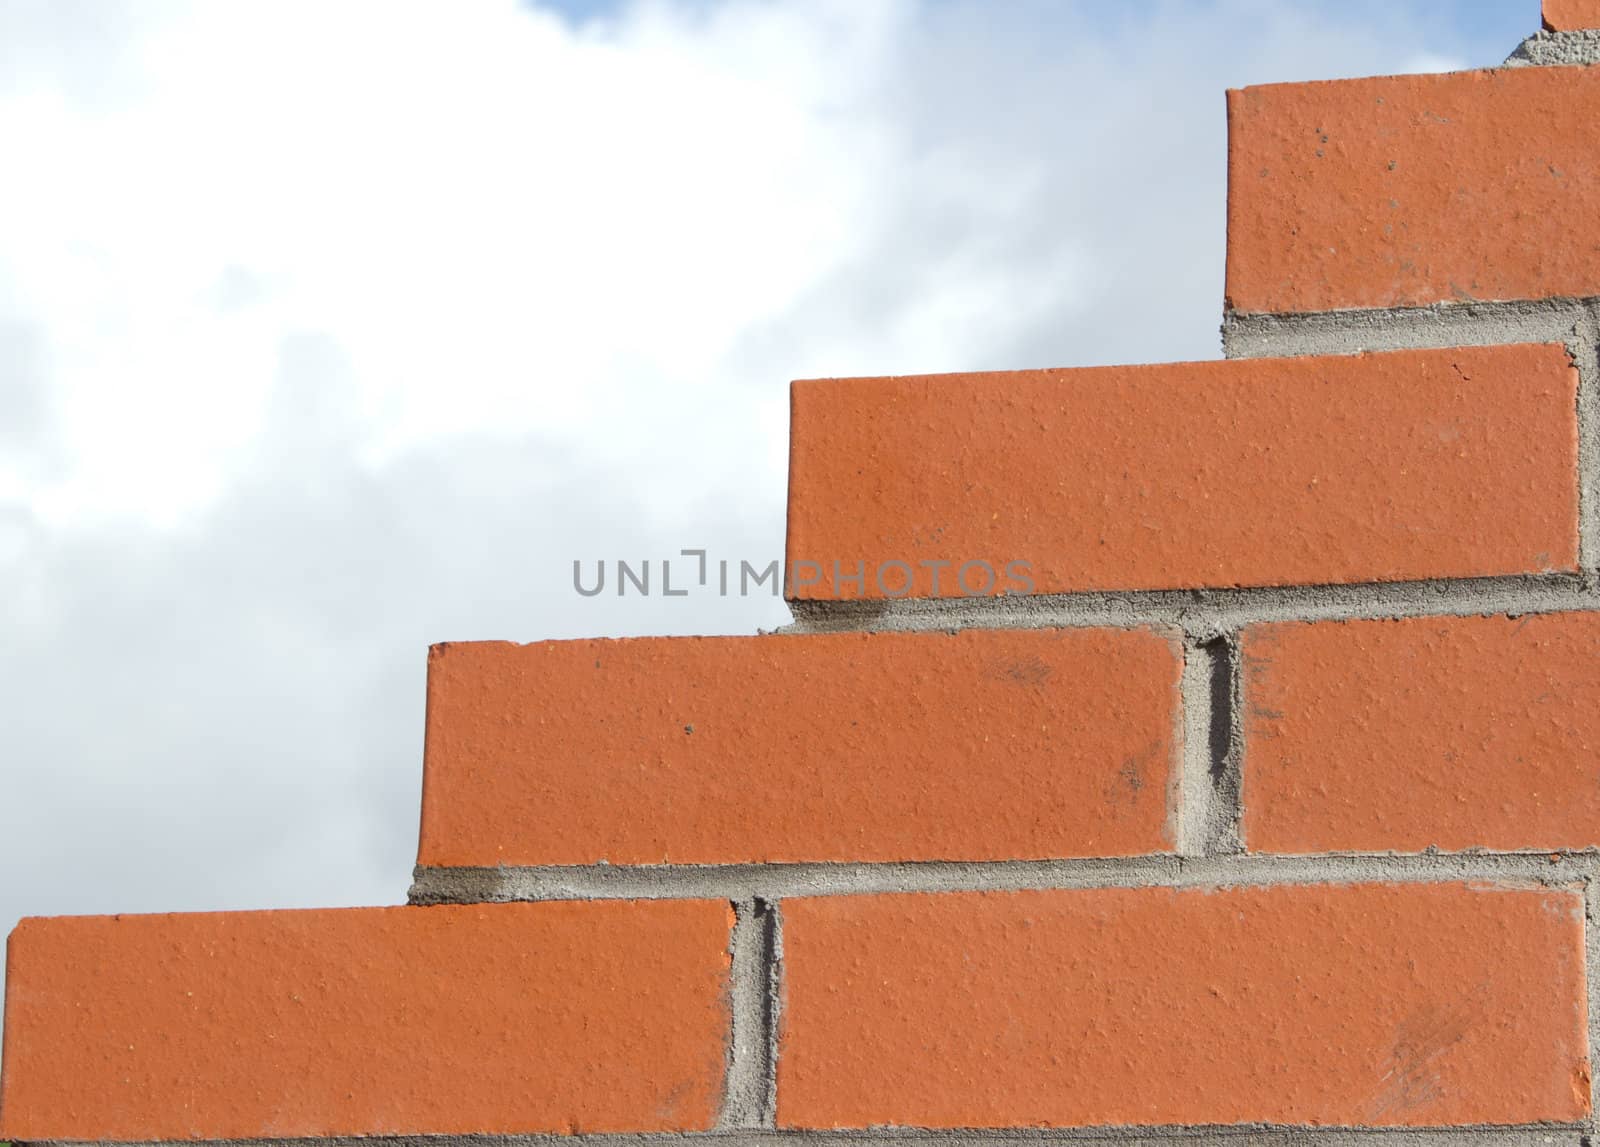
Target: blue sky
point(1480, 32)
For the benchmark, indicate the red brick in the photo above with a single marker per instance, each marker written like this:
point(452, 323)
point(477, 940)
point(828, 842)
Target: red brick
point(1360, 1005)
point(1441, 732)
point(1412, 190)
point(1361, 468)
point(1571, 15)
point(980, 745)
point(503, 1019)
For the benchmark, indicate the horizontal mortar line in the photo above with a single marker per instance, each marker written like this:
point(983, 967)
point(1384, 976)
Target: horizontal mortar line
point(1547, 48)
point(1235, 1135)
point(748, 1074)
point(1208, 613)
point(1194, 811)
point(1258, 334)
point(441, 885)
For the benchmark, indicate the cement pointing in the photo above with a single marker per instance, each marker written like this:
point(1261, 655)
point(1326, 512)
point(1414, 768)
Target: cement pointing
point(1560, 49)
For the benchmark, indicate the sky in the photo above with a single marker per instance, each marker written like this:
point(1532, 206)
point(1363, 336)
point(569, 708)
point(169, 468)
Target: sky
point(330, 331)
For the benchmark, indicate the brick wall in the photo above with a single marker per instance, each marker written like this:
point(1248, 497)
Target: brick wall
point(1180, 747)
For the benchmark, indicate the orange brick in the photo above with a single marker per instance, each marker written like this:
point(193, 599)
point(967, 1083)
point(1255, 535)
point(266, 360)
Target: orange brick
point(1346, 1005)
point(1363, 468)
point(1412, 190)
point(980, 745)
point(503, 1019)
point(1571, 15)
point(1446, 732)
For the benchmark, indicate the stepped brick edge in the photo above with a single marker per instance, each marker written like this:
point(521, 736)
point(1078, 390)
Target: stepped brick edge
point(1194, 753)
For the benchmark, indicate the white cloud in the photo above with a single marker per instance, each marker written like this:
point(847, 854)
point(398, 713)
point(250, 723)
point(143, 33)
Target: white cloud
point(493, 216)
point(1432, 62)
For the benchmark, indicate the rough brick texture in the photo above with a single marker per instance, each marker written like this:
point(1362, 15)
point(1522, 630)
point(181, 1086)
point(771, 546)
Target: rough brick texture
point(1571, 15)
point(1431, 732)
point(1383, 467)
point(1411, 190)
point(1378, 1005)
point(500, 1019)
point(983, 745)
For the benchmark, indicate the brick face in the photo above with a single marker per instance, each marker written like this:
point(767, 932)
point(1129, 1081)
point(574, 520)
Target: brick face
point(1443, 732)
point(1332, 1005)
point(1384, 467)
point(983, 745)
point(1412, 190)
point(1571, 15)
point(512, 1018)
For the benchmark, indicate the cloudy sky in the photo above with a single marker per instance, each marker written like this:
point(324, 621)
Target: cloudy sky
point(328, 331)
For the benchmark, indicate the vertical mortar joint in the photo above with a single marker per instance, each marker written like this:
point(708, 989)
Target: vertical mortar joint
point(750, 1091)
point(1208, 789)
point(1224, 747)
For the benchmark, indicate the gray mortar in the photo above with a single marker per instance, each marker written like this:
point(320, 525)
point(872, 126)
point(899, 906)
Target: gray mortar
point(1227, 747)
point(1238, 1135)
point(1543, 48)
point(1192, 803)
point(1205, 615)
point(1208, 791)
point(1166, 870)
point(750, 1087)
point(1397, 328)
